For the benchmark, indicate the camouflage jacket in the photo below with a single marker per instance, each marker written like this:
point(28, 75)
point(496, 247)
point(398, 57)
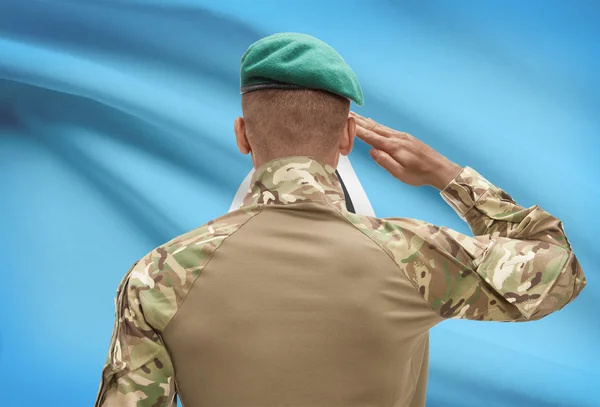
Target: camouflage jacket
point(519, 266)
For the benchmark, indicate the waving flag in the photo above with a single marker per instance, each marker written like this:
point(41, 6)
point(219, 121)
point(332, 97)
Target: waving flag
point(116, 135)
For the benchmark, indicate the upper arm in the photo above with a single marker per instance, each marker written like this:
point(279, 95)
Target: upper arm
point(519, 266)
point(138, 370)
point(483, 278)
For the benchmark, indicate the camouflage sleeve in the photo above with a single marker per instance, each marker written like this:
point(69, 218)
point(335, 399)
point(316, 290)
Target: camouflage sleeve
point(138, 371)
point(490, 211)
point(518, 267)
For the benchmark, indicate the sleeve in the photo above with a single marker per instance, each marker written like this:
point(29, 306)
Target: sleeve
point(138, 370)
point(519, 265)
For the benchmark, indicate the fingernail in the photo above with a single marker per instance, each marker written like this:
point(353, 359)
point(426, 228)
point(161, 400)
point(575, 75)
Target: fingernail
point(374, 153)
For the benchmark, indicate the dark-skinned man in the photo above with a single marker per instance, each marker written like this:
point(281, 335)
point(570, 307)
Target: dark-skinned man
point(295, 301)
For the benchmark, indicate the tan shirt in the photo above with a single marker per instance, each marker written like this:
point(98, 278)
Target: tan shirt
point(294, 301)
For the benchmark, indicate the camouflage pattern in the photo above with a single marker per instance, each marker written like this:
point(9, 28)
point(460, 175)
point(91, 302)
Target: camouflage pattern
point(518, 267)
point(294, 179)
point(496, 213)
point(138, 370)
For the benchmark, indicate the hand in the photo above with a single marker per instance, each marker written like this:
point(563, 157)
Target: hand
point(405, 157)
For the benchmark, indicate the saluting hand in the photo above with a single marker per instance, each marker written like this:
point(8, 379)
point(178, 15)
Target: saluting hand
point(404, 156)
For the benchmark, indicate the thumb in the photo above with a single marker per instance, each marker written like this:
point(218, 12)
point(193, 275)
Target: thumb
point(387, 162)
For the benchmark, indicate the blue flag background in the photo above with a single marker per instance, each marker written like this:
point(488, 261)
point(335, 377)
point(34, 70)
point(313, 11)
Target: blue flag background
point(116, 135)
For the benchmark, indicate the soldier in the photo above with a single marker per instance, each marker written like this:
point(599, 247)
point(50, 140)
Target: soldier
point(293, 300)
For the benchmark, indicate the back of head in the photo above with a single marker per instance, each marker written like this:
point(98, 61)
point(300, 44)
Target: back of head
point(296, 93)
point(287, 122)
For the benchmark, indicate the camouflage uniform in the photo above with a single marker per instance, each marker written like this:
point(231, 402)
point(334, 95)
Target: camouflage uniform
point(313, 305)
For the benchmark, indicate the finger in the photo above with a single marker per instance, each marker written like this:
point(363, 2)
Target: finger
point(364, 120)
point(376, 140)
point(387, 162)
point(379, 128)
point(352, 113)
point(370, 125)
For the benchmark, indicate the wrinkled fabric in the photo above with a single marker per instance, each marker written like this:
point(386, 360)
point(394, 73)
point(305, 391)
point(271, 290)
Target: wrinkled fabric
point(518, 267)
point(138, 370)
point(116, 136)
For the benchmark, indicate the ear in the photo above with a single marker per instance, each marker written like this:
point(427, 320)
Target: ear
point(347, 141)
point(239, 127)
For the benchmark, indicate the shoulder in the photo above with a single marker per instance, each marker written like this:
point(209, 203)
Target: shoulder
point(209, 235)
point(403, 237)
point(418, 247)
point(161, 279)
point(388, 232)
point(392, 235)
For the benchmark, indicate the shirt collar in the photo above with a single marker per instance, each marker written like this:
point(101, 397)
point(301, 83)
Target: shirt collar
point(295, 179)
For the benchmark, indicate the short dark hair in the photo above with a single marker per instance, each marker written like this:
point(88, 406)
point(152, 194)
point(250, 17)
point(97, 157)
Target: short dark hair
point(287, 122)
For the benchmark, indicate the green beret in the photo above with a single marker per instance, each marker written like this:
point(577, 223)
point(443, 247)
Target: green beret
point(297, 61)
